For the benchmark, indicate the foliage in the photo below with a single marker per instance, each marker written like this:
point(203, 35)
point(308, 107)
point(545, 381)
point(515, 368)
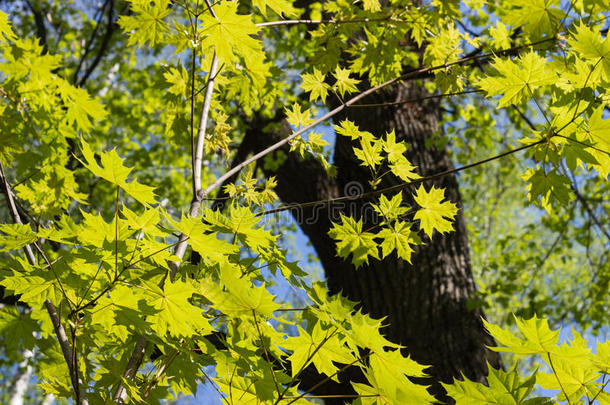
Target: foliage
point(94, 237)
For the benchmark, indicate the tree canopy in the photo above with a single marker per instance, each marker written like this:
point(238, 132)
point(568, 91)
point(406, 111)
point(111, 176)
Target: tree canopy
point(141, 250)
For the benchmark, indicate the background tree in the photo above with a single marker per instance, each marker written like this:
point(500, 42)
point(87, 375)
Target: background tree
point(429, 302)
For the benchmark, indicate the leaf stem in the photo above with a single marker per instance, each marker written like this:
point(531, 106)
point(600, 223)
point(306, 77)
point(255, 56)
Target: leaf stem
point(557, 378)
point(260, 335)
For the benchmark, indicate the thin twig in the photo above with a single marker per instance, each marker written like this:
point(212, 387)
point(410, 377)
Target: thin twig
point(328, 378)
point(79, 389)
point(415, 72)
point(266, 353)
point(401, 185)
point(295, 22)
point(415, 100)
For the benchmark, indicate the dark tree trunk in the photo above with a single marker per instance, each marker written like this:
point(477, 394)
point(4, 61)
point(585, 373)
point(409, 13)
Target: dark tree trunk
point(424, 302)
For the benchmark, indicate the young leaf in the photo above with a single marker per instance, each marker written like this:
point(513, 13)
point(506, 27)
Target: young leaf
point(516, 79)
point(434, 214)
point(147, 24)
point(202, 240)
point(536, 337)
point(279, 6)
point(230, 34)
point(6, 32)
point(176, 316)
point(314, 82)
point(112, 170)
point(351, 240)
point(322, 347)
point(370, 154)
point(599, 131)
point(538, 17)
point(400, 237)
point(590, 46)
point(503, 388)
point(298, 118)
point(344, 83)
point(15, 236)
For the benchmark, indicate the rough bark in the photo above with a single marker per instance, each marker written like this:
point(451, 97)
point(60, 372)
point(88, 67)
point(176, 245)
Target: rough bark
point(424, 302)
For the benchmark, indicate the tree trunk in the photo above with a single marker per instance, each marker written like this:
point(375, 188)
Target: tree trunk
point(424, 302)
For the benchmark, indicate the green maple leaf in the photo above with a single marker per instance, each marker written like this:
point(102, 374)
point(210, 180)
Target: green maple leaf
point(314, 82)
point(93, 230)
point(599, 131)
point(120, 311)
point(536, 337)
point(400, 237)
point(176, 315)
point(5, 27)
point(444, 47)
point(35, 287)
point(601, 358)
point(202, 241)
point(16, 236)
point(19, 329)
point(112, 170)
point(145, 222)
point(322, 347)
point(298, 118)
point(575, 379)
point(178, 78)
point(348, 128)
point(517, 79)
point(590, 45)
point(391, 364)
point(364, 332)
point(351, 240)
point(279, 6)
point(395, 150)
point(315, 142)
point(402, 168)
point(371, 5)
point(384, 391)
point(80, 107)
point(147, 24)
point(344, 83)
point(434, 214)
point(390, 209)
point(537, 17)
point(388, 371)
point(240, 296)
point(242, 222)
point(370, 154)
point(502, 388)
point(549, 187)
point(230, 33)
point(500, 36)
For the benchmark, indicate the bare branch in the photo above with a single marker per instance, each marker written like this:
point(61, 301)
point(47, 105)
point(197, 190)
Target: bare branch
point(132, 367)
point(203, 124)
point(295, 22)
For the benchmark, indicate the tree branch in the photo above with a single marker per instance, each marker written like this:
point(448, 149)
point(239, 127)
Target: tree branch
point(110, 27)
point(41, 29)
point(203, 124)
point(77, 384)
point(409, 75)
point(139, 351)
